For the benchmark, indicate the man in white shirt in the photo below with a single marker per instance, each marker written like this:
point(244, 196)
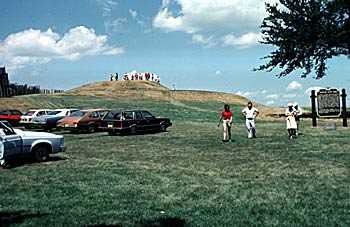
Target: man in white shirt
point(250, 114)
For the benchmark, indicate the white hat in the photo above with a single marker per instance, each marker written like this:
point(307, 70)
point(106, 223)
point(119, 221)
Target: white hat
point(290, 104)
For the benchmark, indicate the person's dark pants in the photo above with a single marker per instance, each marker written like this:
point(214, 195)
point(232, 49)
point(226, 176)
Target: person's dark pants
point(291, 132)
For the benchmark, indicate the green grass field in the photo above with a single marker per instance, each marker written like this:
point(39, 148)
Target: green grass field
point(186, 174)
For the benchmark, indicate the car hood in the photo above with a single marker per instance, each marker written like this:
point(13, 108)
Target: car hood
point(37, 135)
point(70, 120)
point(26, 117)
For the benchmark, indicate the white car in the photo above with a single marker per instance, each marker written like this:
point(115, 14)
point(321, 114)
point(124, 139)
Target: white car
point(49, 121)
point(15, 143)
point(27, 118)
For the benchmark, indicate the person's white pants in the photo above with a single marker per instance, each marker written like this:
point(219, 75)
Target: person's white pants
point(227, 129)
point(250, 124)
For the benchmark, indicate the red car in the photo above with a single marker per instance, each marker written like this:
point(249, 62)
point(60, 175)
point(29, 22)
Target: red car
point(12, 116)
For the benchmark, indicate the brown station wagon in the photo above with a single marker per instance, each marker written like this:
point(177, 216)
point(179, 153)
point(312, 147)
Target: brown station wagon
point(83, 120)
point(133, 121)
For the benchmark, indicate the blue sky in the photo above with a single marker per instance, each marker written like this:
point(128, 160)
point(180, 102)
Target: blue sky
point(192, 44)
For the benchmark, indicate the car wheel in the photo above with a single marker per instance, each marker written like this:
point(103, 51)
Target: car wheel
point(133, 130)
point(41, 153)
point(162, 127)
point(91, 129)
point(5, 164)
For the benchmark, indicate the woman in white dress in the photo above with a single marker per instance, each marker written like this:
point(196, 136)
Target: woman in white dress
point(291, 122)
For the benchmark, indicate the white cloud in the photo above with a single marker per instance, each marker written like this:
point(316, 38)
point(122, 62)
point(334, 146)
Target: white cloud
point(112, 23)
point(140, 20)
point(316, 88)
point(107, 7)
point(133, 13)
point(264, 92)
point(218, 72)
point(32, 47)
point(205, 41)
point(247, 93)
point(199, 15)
point(270, 103)
point(243, 41)
point(294, 85)
point(289, 96)
point(272, 96)
point(115, 25)
point(232, 22)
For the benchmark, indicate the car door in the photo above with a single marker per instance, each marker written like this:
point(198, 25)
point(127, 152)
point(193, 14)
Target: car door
point(5, 115)
point(16, 115)
point(12, 143)
point(141, 123)
point(151, 122)
point(102, 114)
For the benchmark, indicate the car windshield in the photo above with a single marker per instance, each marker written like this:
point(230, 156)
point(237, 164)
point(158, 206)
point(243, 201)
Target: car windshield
point(29, 113)
point(78, 113)
point(6, 128)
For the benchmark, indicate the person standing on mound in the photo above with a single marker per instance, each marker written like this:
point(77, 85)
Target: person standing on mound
point(226, 118)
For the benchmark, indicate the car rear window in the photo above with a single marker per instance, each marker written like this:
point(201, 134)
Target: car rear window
point(53, 112)
point(78, 113)
point(4, 112)
point(113, 116)
point(29, 113)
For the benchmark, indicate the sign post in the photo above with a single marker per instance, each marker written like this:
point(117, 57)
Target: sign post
point(344, 112)
point(313, 108)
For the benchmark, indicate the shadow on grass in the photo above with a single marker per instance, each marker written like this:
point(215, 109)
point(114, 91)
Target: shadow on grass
point(160, 222)
point(29, 160)
point(151, 132)
point(8, 218)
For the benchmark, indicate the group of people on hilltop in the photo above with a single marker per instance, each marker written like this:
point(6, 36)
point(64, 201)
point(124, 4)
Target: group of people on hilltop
point(142, 76)
point(136, 76)
point(292, 113)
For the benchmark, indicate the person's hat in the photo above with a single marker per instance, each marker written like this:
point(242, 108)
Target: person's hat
point(290, 104)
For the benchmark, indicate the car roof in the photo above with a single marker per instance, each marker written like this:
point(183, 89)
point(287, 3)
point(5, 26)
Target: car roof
point(64, 109)
point(92, 110)
point(128, 110)
point(40, 110)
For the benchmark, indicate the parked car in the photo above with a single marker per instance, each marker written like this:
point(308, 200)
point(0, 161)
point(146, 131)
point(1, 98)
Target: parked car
point(133, 121)
point(27, 118)
point(12, 116)
point(83, 120)
point(15, 143)
point(49, 120)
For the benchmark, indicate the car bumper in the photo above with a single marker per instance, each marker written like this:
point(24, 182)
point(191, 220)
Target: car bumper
point(114, 130)
point(68, 127)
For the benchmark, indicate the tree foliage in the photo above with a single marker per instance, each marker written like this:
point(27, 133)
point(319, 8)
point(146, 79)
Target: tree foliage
point(306, 33)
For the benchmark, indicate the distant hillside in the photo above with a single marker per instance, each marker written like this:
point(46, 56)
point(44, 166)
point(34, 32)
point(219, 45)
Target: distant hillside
point(133, 91)
point(147, 89)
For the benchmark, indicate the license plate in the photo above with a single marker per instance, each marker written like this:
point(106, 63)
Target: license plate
point(66, 125)
point(110, 126)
